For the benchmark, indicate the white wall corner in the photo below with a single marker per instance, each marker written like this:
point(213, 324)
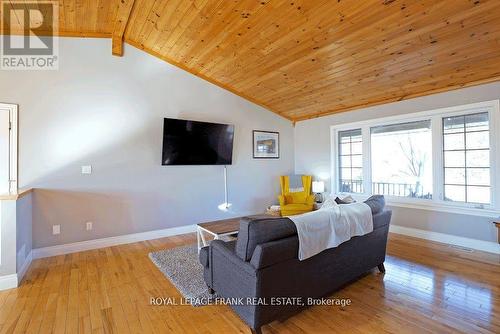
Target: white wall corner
point(481, 245)
point(111, 241)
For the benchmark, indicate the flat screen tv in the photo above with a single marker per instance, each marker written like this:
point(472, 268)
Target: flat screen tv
point(196, 143)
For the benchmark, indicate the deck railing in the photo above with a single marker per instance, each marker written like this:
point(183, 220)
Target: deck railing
point(385, 188)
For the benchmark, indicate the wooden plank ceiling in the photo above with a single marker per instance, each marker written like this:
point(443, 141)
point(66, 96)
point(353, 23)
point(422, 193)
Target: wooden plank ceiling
point(304, 59)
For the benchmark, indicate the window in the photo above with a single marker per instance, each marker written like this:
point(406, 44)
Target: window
point(445, 159)
point(402, 159)
point(351, 161)
point(466, 156)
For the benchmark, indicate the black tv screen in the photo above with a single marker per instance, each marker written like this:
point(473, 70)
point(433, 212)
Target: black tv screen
point(197, 143)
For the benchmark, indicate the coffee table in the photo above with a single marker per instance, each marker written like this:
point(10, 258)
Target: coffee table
point(221, 228)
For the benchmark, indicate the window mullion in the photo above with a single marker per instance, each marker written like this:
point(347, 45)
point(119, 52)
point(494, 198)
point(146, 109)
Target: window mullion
point(334, 161)
point(437, 158)
point(494, 155)
point(367, 170)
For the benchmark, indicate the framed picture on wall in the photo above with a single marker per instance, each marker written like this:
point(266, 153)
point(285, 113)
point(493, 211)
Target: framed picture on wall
point(266, 144)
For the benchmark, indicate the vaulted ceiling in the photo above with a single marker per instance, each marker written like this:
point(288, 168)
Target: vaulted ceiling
point(304, 59)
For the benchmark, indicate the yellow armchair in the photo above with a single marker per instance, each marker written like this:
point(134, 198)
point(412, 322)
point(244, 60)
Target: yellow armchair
point(294, 203)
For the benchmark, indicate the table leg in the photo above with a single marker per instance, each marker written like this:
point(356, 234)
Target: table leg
point(201, 237)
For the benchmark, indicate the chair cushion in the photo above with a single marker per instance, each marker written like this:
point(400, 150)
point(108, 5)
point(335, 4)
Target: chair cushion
point(298, 197)
point(297, 207)
point(256, 231)
point(376, 203)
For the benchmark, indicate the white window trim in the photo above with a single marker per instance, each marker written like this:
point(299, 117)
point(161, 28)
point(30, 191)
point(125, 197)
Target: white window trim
point(13, 146)
point(436, 115)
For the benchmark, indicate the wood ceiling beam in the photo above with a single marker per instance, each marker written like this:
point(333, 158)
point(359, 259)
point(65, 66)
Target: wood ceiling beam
point(121, 21)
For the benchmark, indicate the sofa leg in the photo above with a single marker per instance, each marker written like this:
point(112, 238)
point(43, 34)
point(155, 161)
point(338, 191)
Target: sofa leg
point(381, 268)
point(256, 331)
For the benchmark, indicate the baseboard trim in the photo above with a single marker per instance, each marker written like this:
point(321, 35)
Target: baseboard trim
point(485, 246)
point(25, 267)
point(110, 241)
point(8, 282)
point(13, 280)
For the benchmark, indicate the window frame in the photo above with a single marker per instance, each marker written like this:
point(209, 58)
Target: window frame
point(466, 168)
point(339, 173)
point(435, 116)
point(12, 109)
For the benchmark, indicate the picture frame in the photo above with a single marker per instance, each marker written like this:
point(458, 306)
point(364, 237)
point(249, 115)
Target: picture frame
point(266, 144)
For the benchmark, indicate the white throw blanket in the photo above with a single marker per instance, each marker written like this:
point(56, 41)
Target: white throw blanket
point(330, 226)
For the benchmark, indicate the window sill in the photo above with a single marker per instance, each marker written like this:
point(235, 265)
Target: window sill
point(442, 207)
point(430, 205)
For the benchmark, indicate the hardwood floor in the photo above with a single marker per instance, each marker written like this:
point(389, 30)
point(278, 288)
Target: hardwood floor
point(427, 288)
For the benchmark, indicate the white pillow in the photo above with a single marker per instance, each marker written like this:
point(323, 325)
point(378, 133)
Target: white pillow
point(329, 203)
point(348, 199)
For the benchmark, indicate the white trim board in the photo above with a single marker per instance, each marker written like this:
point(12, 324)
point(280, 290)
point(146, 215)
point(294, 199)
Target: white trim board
point(24, 267)
point(8, 282)
point(110, 241)
point(13, 280)
point(428, 205)
point(13, 145)
point(481, 245)
point(80, 246)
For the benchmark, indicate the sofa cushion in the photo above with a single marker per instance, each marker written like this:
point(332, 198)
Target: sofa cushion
point(339, 201)
point(376, 203)
point(254, 231)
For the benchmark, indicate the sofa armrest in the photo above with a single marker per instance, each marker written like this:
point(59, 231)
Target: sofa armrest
point(203, 256)
point(382, 219)
point(225, 251)
point(273, 252)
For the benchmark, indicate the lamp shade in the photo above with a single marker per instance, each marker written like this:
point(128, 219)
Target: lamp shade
point(318, 186)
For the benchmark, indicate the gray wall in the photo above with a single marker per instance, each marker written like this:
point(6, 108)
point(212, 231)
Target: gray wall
point(312, 155)
point(108, 112)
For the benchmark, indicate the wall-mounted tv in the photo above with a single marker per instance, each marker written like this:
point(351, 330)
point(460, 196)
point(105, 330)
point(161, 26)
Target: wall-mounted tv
point(188, 142)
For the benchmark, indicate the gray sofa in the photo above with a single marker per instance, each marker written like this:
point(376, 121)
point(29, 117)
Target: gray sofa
point(263, 263)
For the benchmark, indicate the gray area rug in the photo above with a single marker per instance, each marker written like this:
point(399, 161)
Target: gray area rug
point(182, 267)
